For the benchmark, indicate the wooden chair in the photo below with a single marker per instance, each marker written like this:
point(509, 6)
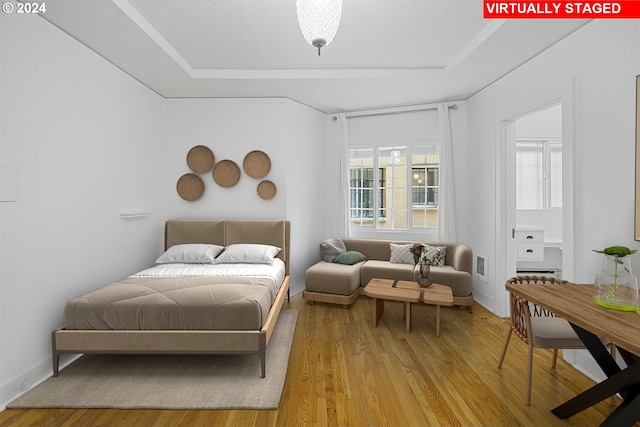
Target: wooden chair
point(538, 327)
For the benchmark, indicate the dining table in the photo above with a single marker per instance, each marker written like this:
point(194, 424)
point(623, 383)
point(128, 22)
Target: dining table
point(593, 324)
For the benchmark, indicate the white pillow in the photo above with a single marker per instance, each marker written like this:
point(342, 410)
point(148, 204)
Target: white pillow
point(194, 253)
point(401, 254)
point(246, 253)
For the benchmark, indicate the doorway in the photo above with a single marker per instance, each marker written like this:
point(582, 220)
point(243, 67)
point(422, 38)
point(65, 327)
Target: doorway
point(546, 204)
point(538, 193)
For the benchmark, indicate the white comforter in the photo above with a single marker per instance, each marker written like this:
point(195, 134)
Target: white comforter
point(275, 271)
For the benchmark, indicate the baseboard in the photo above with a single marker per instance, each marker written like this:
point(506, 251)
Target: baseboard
point(585, 363)
point(30, 378)
point(296, 287)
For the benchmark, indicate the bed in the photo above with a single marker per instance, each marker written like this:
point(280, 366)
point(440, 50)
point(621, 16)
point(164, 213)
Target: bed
point(193, 307)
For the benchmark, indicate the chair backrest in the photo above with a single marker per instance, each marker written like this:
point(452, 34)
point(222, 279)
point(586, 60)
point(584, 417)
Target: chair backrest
point(522, 310)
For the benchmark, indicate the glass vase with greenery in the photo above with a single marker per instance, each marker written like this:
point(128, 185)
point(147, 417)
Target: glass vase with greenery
point(615, 286)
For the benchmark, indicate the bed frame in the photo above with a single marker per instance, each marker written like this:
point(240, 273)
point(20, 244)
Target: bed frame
point(219, 232)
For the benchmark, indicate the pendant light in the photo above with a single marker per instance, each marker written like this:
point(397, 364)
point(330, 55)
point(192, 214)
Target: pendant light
point(319, 20)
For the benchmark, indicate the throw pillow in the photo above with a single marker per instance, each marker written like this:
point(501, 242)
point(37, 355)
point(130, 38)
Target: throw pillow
point(350, 258)
point(401, 254)
point(331, 248)
point(434, 255)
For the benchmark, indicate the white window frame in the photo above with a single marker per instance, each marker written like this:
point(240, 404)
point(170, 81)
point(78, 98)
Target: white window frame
point(408, 147)
point(546, 166)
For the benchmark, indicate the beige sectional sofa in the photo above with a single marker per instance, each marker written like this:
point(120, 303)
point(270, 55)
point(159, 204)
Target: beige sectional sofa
point(336, 283)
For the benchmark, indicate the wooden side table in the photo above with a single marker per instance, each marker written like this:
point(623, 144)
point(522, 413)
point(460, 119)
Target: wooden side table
point(435, 294)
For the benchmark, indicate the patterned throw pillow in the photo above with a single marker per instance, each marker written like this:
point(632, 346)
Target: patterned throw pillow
point(401, 254)
point(433, 254)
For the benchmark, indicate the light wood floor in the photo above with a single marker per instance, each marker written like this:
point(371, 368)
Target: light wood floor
point(344, 372)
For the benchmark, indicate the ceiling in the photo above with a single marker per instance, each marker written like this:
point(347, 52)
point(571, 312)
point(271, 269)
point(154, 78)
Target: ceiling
point(386, 52)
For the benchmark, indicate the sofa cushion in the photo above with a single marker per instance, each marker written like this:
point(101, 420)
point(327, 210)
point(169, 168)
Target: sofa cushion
point(401, 254)
point(371, 248)
point(458, 281)
point(330, 278)
point(385, 270)
point(350, 258)
point(331, 248)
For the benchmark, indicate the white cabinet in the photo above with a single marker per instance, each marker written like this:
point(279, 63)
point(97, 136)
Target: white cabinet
point(530, 243)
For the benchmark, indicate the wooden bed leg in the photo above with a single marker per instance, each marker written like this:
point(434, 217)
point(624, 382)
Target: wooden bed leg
point(262, 353)
point(55, 354)
point(263, 364)
point(56, 363)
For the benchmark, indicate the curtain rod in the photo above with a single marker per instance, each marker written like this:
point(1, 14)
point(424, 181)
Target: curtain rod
point(407, 109)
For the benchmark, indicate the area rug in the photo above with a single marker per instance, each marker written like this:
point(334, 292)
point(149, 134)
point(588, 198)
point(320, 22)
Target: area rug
point(170, 381)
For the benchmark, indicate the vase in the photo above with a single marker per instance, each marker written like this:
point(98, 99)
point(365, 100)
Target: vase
point(424, 282)
point(615, 286)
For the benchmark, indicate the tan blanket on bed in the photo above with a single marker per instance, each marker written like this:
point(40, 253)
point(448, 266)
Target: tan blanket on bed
point(176, 303)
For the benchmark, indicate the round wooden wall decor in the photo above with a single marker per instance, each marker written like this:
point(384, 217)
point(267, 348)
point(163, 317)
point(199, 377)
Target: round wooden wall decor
point(256, 164)
point(266, 190)
point(200, 159)
point(190, 187)
point(226, 173)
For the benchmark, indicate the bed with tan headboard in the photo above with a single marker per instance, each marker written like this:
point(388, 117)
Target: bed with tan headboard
point(207, 303)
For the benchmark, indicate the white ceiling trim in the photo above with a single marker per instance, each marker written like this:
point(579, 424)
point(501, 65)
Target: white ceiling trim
point(319, 74)
point(474, 44)
point(246, 74)
point(145, 26)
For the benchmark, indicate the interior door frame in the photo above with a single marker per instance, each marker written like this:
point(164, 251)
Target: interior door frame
point(505, 184)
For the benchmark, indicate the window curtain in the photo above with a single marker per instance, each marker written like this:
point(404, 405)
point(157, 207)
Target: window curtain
point(446, 195)
point(342, 209)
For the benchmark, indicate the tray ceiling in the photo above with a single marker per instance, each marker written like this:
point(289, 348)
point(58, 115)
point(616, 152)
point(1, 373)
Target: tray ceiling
point(386, 52)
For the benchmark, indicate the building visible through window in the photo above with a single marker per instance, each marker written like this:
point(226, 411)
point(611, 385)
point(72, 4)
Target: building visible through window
point(394, 187)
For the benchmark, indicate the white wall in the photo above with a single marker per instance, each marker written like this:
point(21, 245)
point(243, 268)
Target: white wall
point(291, 134)
point(83, 140)
point(305, 183)
point(601, 62)
point(542, 124)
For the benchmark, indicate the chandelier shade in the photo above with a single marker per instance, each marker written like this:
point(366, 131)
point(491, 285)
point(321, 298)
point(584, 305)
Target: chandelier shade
point(319, 20)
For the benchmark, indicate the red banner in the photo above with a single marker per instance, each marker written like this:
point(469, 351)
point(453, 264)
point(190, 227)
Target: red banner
point(623, 9)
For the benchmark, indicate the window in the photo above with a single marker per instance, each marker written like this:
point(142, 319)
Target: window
point(394, 187)
point(538, 174)
point(361, 198)
point(424, 186)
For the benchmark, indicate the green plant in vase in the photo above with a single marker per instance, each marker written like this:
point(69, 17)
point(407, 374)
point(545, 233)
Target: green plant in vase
point(615, 286)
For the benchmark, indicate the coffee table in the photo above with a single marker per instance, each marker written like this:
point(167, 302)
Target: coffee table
point(436, 294)
point(381, 290)
point(407, 292)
